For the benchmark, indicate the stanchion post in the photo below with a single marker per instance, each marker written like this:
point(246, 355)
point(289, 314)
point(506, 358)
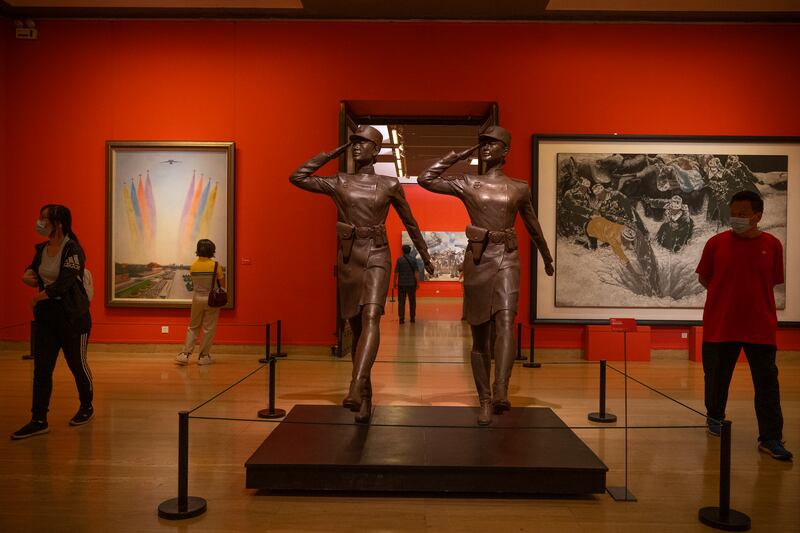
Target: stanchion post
point(723, 517)
point(184, 506)
point(530, 363)
point(278, 352)
point(271, 412)
point(519, 340)
point(602, 416)
point(31, 342)
point(622, 494)
point(266, 358)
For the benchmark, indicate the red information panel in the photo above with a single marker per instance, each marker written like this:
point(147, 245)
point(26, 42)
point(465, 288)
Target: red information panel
point(622, 324)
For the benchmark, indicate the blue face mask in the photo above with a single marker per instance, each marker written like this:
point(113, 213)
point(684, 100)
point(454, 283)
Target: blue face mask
point(42, 228)
point(740, 224)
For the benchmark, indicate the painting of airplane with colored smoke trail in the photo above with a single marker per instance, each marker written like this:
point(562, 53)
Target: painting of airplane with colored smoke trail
point(162, 198)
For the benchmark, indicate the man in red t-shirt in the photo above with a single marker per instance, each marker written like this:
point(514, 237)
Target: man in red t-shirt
point(739, 268)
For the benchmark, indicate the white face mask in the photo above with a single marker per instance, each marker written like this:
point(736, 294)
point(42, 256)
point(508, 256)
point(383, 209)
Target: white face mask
point(740, 224)
point(42, 228)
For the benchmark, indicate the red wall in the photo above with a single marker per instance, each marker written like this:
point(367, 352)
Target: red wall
point(275, 87)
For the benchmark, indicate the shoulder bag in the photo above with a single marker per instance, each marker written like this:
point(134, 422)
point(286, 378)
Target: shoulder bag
point(217, 297)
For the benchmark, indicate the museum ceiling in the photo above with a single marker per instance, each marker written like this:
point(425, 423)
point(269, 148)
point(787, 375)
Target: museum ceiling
point(467, 10)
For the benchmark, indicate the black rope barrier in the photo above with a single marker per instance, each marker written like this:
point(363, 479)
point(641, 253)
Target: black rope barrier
point(623, 493)
point(424, 426)
point(182, 323)
point(225, 390)
point(456, 360)
point(184, 506)
point(723, 517)
point(601, 415)
point(31, 342)
point(267, 343)
point(31, 337)
point(270, 411)
point(531, 362)
point(278, 351)
point(628, 376)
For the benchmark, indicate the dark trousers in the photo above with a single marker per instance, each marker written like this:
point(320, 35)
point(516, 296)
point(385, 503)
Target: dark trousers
point(719, 360)
point(54, 332)
point(401, 301)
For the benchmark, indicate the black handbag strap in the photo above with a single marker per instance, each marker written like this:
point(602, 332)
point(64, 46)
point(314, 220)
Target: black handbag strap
point(214, 279)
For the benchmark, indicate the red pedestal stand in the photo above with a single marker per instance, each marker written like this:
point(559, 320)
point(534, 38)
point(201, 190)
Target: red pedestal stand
point(610, 343)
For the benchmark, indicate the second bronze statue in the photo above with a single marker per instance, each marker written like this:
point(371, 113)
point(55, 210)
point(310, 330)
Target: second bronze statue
point(362, 200)
point(491, 262)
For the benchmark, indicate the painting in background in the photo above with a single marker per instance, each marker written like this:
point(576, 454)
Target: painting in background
point(447, 250)
point(163, 198)
point(631, 227)
point(630, 216)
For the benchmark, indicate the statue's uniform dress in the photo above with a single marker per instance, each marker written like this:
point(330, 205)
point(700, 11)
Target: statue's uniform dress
point(362, 201)
point(492, 201)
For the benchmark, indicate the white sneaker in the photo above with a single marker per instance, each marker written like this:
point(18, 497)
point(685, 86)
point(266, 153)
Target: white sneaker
point(205, 360)
point(182, 359)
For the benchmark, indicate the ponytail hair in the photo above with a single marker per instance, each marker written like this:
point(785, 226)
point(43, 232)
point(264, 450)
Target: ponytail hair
point(60, 214)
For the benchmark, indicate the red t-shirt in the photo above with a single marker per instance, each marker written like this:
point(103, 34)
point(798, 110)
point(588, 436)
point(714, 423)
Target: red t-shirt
point(740, 304)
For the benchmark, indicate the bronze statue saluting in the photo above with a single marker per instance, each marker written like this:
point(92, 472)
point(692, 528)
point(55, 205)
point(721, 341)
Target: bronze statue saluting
point(364, 264)
point(491, 262)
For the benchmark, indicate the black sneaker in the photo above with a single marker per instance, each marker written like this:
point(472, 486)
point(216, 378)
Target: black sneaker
point(32, 428)
point(83, 415)
point(775, 449)
point(714, 427)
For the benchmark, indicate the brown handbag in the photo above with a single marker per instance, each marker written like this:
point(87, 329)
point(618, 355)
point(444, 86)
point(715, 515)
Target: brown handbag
point(217, 296)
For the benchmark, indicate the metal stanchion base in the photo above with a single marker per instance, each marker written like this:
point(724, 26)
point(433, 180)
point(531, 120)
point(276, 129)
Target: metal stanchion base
point(276, 413)
point(279, 354)
point(532, 365)
point(170, 510)
point(733, 521)
point(263, 360)
point(27, 356)
point(621, 494)
point(602, 417)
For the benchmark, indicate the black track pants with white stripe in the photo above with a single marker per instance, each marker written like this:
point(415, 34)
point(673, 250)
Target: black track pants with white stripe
point(55, 333)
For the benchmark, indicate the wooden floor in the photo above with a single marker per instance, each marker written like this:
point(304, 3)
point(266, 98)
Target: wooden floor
point(110, 475)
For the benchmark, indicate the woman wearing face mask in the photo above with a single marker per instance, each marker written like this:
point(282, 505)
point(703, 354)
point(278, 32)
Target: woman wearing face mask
point(61, 315)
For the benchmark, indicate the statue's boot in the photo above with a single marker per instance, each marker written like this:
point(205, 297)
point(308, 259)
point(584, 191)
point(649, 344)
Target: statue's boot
point(481, 367)
point(504, 363)
point(353, 399)
point(365, 409)
point(360, 376)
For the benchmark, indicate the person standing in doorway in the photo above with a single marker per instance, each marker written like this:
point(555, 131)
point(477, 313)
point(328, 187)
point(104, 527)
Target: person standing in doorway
point(61, 316)
point(202, 271)
point(406, 280)
point(740, 269)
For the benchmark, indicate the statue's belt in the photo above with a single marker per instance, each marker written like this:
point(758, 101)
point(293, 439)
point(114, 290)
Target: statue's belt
point(508, 236)
point(348, 234)
point(479, 238)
